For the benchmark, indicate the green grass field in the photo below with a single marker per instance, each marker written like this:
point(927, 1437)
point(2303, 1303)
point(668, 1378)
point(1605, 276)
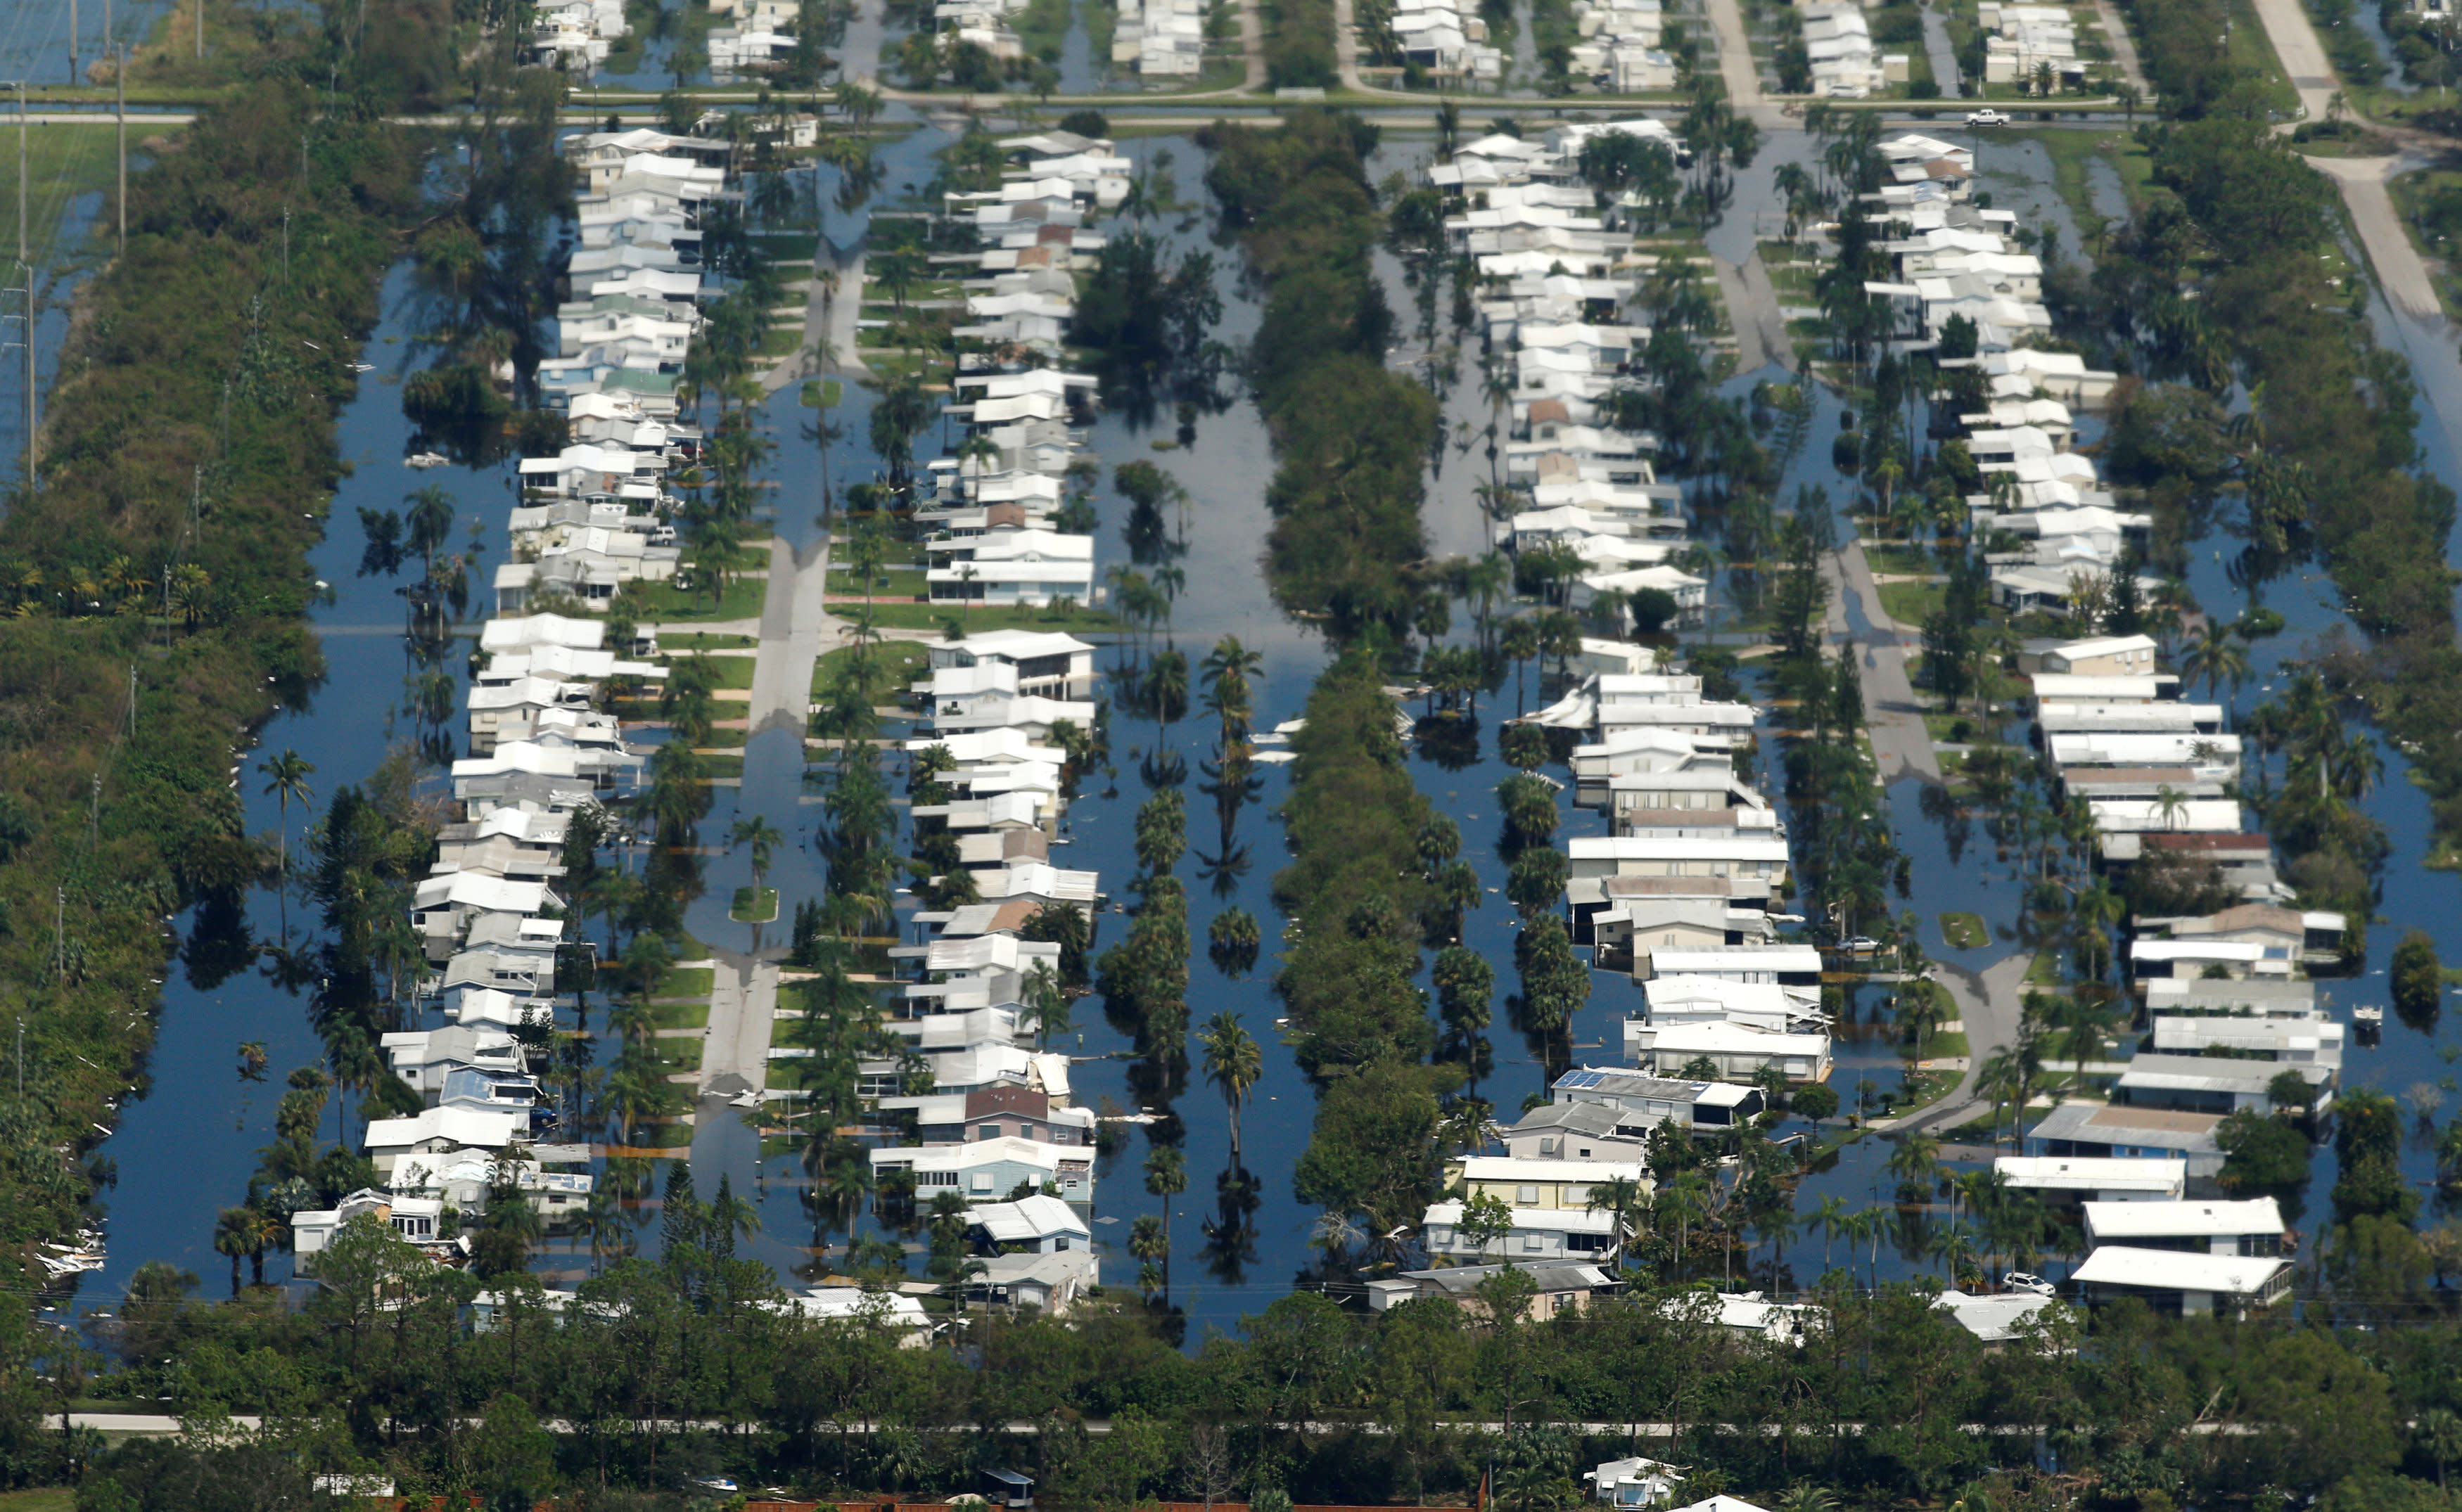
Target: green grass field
point(692, 1015)
point(748, 909)
point(687, 981)
point(1912, 603)
point(1964, 931)
point(928, 617)
point(664, 603)
point(907, 661)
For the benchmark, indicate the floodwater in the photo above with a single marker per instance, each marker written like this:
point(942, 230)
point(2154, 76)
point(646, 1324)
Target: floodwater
point(187, 1149)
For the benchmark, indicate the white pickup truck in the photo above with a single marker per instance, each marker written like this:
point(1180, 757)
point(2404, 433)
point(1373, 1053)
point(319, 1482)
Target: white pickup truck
point(1986, 118)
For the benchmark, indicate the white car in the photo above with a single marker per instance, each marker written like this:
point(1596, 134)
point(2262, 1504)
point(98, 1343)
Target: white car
point(2025, 1281)
point(1986, 118)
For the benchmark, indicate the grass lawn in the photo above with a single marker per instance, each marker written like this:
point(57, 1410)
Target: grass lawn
point(687, 981)
point(906, 659)
point(1912, 603)
point(726, 672)
point(2045, 970)
point(707, 641)
point(691, 1015)
point(892, 583)
point(40, 1499)
point(723, 768)
point(928, 617)
point(679, 1055)
point(747, 909)
point(1956, 730)
point(664, 603)
point(1946, 1045)
point(1965, 931)
point(787, 247)
point(1899, 560)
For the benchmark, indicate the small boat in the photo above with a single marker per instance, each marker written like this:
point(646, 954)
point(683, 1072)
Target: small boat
point(2368, 1015)
point(426, 459)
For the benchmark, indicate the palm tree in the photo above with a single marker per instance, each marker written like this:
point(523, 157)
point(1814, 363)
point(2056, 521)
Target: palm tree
point(287, 777)
point(1916, 1161)
point(1833, 1220)
point(2439, 1430)
point(2214, 656)
point(1234, 1062)
point(1226, 674)
point(1626, 1198)
point(192, 593)
point(1166, 1177)
point(236, 1236)
point(763, 837)
point(2170, 803)
point(1151, 1245)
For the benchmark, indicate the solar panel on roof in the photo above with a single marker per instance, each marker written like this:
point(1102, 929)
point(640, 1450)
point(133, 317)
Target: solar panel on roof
point(1582, 1078)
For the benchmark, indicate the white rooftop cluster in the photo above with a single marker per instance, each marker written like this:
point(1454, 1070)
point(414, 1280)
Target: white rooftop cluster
point(762, 35)
point(985, 23)
point(2025, 39)
point(1846, 64)
point(489, 916)
point(575, 34)
point(1561, 289)
point(1620, 45)
point(1446, 37)
point(1161, 38)
point(993, 500)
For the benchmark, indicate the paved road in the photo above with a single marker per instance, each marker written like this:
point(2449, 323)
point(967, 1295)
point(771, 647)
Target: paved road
point(1991, 1001)
point(735, 1057)
point(2303, 57)
point(1252, 44)
point(1752, 307)
point(1901, 744)
point(2124, 48)
point(793, 623)
point(2399, 268)
point(2401, 271)
point(1736, 58)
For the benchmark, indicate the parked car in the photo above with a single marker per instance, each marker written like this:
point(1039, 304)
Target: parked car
point(2027, 1281)
point(1863, 945)
point(1986, 118)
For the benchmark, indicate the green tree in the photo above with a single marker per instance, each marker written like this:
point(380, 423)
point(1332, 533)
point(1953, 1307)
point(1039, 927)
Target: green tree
point(2418, 980)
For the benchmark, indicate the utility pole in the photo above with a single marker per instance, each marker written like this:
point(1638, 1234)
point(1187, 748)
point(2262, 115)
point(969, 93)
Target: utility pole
point(25, 291)
point(201, 31)
point(22, 155)
point(119, 76)
point(73, 42)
